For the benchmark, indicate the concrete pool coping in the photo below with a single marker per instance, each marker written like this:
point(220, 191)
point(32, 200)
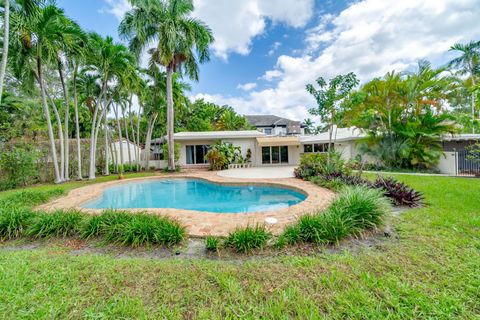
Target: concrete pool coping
point(201, 223)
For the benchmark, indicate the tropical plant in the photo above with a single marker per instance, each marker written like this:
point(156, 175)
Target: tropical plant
point(404, 117)
point(221, 154)
point(468, 63)
point(183, 42)
point(246, 239)
point(355, 210)
point(231, 121)
point(329, 98)
point(212, 243)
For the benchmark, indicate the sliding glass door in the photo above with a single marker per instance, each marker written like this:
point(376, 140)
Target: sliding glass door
point(275, 155)
point(196, 154)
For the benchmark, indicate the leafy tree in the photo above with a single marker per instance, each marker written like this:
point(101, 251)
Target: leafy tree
point(469, 64)
point(183, 42)
point(329, 98)
point(404, 116)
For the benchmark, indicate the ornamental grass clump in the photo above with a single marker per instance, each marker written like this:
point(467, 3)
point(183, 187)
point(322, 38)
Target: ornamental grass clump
point(244, 240)
point(57, 224)
point(14, 222)
point(355, 210)
point(212, 243)
point(142, 229)
point(96, 226)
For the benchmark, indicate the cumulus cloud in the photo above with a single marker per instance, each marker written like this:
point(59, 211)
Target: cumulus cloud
point(117, 7)
point(235, 23)
point(247, 86)
point(370, 38)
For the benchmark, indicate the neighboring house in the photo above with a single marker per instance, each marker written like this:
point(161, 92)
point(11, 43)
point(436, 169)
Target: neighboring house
point(124, 145)
point(274, 125)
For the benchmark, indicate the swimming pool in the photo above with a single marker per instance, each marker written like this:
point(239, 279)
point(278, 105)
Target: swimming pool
point(195, 194)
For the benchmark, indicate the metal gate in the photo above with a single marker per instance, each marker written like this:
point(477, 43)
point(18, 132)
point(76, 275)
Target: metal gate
point(466, 166)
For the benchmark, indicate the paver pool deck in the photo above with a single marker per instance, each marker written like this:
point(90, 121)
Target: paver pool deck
point(199, 223)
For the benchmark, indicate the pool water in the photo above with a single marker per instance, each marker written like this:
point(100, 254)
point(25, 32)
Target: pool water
point(194, 194)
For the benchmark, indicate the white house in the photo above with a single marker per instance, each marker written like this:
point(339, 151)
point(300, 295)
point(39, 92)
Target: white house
point(267, 149)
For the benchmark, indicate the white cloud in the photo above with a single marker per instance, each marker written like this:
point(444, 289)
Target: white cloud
point(274, 47)
point(117, 7)
point(235, 23)
point(370, 38)
point(247, 86)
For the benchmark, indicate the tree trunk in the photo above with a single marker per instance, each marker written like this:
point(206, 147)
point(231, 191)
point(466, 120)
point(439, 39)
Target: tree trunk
point(46, 111)
point(170, 121)
point(473, 103)
point(66, 121)
point(138, 137)
point(92, 167)
point(126, 137)
point(107, 147)
point(115, 109)
point(77, 124)
point(6, 34)
point(148, 140)
point(60, 137)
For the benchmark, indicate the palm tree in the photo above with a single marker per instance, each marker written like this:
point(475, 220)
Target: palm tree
point(469, 62)
point(38, 35)
point(27, 7)
point(230, 120)
point(108, 61)
point(183, 42)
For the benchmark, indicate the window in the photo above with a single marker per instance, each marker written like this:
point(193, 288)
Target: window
point(196, 154)
point(316, 147)
point(267, 131)
point(307, 148)
point(275, 155)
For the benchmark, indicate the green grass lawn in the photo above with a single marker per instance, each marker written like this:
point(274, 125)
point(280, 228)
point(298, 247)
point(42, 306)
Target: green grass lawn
point(431, 271)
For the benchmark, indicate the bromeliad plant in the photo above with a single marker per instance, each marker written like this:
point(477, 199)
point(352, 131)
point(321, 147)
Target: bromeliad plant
point(398, 192)
point(222, 154)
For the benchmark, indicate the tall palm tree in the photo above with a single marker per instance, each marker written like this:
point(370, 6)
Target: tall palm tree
point(28, 7)
point(183, 42)
point(37, 39)
point(108, 61)
point(469, 62)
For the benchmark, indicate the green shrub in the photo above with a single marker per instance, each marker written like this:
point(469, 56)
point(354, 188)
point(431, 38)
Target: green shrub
point(176, 152)
point(216, 159)
point(14, 222)
point(99, 225)
point(57, 224)
point(313, 164)
point(141, 229)
point(290, 236)
point(247, 239)
point(18, 167)
point(355, 210)
point(212, 243)
point(365, 207)
point(333, 184)
point(30, 198)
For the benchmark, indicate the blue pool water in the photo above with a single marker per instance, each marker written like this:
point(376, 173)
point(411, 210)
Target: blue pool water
point(193, 194)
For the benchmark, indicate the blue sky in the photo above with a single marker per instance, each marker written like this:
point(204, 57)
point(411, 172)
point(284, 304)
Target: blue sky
point(266, 51)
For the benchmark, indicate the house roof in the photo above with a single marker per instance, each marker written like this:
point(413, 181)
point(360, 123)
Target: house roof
point(462, 137)
point(205, 135)
point(262, 120)
point(339, 135)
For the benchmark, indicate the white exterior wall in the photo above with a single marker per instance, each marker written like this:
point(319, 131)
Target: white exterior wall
point(448, 163)
point(115, 146)
point(157, 164)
